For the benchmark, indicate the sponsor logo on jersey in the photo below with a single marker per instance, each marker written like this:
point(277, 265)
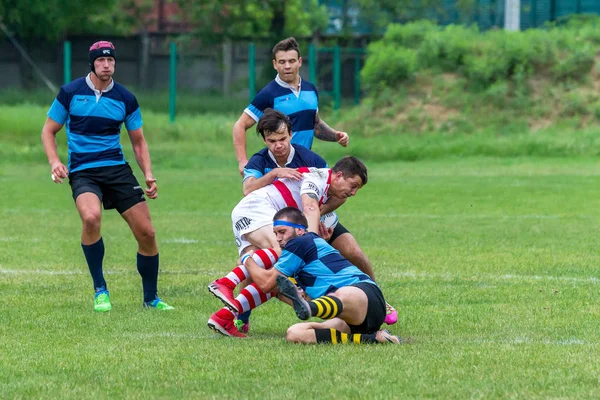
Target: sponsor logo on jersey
point(242, 223)
point(314, 188)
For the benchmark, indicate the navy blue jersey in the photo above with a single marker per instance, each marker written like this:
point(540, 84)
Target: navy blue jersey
point(317, 267)
point(263, 161)
point(300, 106)
point(93, 124)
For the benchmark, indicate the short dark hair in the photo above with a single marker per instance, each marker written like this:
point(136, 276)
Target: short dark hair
point(271, 122)
point(351, 166)
point(286, 45)
point(292, 214)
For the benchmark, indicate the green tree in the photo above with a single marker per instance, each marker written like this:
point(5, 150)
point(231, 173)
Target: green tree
point(215, 20)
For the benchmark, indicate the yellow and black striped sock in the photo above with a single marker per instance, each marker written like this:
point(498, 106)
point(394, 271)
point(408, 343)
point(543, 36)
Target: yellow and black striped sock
point(336, 337)
point(326, 307)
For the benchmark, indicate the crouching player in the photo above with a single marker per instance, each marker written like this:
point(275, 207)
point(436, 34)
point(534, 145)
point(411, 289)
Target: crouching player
point(351, 303)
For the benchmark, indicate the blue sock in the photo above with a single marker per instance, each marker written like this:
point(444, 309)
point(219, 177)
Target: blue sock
point(245, 316)
point(147, 266)
point(94, 255)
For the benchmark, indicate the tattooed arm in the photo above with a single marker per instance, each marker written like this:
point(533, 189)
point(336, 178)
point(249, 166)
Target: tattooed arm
point(326, 133)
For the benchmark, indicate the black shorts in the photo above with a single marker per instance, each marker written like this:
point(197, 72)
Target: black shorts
point(115, 186)
point(337, 232)
point(375, 309)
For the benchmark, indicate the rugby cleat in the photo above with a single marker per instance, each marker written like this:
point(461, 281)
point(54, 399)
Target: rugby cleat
point(158, 304)
point(102, 301)
point(222, 322)
point(289, 290)
point(241, 326)
point(391, 315)
point(224, 293)
point(384, 336)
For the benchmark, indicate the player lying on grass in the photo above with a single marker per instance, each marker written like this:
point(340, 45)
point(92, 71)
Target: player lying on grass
point(252, 220)
point(351, 303)
point(280, 159)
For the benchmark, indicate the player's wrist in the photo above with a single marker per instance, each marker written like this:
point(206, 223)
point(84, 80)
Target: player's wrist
point(245, 258)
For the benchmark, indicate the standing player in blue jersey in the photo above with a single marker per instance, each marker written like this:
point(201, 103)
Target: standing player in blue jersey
point(93, 108)
point(293, 96)
point(348, 299)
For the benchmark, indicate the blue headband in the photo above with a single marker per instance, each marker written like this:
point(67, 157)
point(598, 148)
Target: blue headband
point(279, 222)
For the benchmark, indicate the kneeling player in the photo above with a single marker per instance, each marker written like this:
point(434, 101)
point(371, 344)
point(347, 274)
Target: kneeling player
point(345, 296)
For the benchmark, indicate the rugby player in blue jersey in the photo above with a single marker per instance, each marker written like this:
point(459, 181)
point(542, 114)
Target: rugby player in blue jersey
point(349, 300)
point(93, 108)
point(293, 96)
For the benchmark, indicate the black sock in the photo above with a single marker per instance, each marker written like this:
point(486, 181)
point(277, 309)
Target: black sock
point(245, 316)
point(326, 307)
point(94, 255)
point(336, 337)
point(148, 268)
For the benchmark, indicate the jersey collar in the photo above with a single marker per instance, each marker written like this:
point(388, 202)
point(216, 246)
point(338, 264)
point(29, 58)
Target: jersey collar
point(286, 85)
point(289, 159)
point(97, 92)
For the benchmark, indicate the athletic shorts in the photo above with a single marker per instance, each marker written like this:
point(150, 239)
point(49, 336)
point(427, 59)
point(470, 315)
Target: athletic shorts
point(375, 309)
point(338, 231)
point(115, 186)
point(251, 213)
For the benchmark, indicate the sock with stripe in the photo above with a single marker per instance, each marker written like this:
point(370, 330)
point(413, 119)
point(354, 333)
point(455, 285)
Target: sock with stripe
point(94, 255)
point(336, 337)
point(264, 258)
point(251, 297)
point(326, 307)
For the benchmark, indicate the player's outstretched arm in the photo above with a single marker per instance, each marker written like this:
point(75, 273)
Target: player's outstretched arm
point(142, 156)
point(328, 134)
point(49, 131)
point(243, 123)
point(251, 184)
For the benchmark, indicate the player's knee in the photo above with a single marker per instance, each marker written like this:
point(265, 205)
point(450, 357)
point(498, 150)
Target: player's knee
point(91, 221)
point(292, 335)
point(147, 235)
point(297, 334)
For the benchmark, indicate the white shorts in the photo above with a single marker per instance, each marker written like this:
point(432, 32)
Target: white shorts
point(252, 213)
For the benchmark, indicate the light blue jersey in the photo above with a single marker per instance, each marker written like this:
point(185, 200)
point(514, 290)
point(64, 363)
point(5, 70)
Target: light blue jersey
point(317, 267)
point(93, 122)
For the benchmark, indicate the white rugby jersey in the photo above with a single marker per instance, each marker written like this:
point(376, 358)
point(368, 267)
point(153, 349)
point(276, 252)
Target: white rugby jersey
point(288, 192)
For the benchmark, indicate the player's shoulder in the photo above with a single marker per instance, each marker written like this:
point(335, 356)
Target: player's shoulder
point(302, 243)
point(260, 156)
point(123, 92)
point(306, 85)
point(309, 155)
point(75, 85)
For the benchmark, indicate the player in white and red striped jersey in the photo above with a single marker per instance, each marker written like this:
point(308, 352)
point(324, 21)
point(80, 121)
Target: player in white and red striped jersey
point(252, 220)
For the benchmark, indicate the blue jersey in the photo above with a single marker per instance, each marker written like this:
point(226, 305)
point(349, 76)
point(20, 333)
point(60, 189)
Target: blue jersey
point(263, 161)
point(301, 107)
point(317, 267)
point(93, 123)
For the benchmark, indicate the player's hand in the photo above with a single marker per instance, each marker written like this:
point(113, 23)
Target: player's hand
point(152, 191)
point(342, 138)
point(59, 172)
point(289, 173)
point(324, 232)
point(241, 166)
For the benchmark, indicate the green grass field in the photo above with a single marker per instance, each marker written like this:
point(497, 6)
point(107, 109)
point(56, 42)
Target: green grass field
point(491, 262)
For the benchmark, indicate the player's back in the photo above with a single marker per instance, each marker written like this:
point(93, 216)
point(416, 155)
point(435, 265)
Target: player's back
point(318, 267)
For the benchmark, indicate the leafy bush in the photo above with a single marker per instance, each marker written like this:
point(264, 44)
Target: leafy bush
point(388, 66)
